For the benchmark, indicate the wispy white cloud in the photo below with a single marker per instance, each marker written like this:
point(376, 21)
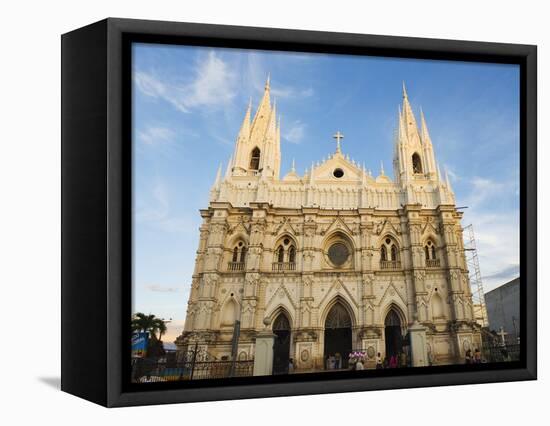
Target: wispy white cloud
point(155, 210)
point(257, 75)
point(155, 135)
point(213, 85)
point(279, 91)
point(161, 288)
point(296, 132)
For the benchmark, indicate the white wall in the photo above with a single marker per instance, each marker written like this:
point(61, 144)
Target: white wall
point(30, 175)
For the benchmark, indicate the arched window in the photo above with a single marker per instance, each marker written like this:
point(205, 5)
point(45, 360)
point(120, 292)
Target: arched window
point(383, 254)
point(280, 254)
point(284, 256)
point(394, 252)
point(291, 254)
point(243, 254)
point(416, 163)
point(238, 257)
point(430, 253)
point(389, 254)
point(255, 159)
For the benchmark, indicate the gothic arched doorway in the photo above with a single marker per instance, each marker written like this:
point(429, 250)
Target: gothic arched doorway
point(338, 343)
point(281, 345)
point(393, 336)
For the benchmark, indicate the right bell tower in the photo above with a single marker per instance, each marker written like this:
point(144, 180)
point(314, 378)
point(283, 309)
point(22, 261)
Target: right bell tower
point(414, 155)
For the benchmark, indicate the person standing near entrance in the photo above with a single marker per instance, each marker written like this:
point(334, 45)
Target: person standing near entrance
point(359, 364)
point(379, 361)
point(468, 357)
point(477, 356)
point(338, 361)
point(393, 361)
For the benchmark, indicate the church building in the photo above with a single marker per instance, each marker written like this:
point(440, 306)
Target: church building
point(333, 261)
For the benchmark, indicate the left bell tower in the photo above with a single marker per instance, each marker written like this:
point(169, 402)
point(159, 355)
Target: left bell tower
point(258, 145)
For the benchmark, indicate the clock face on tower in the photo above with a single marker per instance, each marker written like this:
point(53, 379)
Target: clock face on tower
point(338, 254)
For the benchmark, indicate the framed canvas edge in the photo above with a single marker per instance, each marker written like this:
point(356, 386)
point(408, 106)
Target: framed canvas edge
point(115, 293)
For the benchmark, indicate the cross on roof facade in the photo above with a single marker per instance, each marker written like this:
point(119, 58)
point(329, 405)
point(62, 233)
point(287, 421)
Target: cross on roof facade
point(338, 136)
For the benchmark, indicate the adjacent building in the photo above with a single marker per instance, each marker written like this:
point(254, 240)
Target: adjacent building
point(503, 311)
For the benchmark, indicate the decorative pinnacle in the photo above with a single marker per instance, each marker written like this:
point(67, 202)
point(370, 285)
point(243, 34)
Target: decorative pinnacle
point(381, 167)
point(268, 82)
point(338, 136)
point(293, 168)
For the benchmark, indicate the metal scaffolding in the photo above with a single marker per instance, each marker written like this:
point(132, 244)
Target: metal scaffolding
point(476, 284)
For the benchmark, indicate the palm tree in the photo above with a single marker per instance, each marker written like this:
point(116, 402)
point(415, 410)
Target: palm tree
point(150, 324)
point(160, 326)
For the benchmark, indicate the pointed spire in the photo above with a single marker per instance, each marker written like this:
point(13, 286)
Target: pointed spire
point(268, 82)
point(245, 126)
point(382, 168)
point(229, 168)
point(408, 116)
point(264, 109)
point(447, 181)
point(218, 176)
point(401, 131)
point(311, 173)
point(439, 176)
point(293, 168)
point(424, 134)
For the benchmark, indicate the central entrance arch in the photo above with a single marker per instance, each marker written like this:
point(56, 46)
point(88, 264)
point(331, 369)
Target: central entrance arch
point(338, 342)
point(392, 334)
point(281, 345)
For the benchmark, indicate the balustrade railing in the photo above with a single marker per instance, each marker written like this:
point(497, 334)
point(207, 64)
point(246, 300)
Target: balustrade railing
point(235, 266)
point(390, 264)
point(432, 263)
point(283, 266)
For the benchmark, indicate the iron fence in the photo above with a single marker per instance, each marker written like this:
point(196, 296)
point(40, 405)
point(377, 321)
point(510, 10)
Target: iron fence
point(500, 353)
point(147, 370)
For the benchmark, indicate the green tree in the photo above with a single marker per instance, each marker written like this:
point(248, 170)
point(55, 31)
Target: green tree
point(150, 324)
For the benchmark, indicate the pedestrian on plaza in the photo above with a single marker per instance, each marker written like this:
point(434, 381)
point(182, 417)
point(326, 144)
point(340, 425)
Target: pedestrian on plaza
point(468, 357)
point(379, 362)
point(477, 356)
point(338, 361)
point(393, 361)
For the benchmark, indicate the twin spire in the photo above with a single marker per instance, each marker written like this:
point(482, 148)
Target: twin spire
point(257, 150)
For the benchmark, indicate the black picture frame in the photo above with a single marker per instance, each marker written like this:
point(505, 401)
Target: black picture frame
point(96, 209)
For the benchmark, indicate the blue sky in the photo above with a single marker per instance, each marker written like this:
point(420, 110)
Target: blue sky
point(189, 103)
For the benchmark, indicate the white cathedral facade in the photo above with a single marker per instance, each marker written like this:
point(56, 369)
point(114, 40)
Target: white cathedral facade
point(333, 261)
